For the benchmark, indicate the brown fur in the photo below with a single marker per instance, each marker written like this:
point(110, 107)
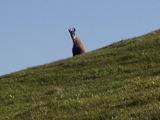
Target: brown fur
point(78, 47)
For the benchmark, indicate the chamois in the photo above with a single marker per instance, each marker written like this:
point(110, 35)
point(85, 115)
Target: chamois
point(78, 47)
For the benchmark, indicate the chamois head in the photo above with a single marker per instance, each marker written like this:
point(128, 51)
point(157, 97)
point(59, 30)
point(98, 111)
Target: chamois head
point(72, 33)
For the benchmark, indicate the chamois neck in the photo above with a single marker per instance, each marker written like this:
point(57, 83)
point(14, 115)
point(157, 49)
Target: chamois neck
point(74, 37)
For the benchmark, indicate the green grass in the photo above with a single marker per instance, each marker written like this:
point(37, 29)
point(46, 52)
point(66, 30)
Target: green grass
point(119, 81)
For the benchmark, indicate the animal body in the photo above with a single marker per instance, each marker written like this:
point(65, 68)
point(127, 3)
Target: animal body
point(78, 47)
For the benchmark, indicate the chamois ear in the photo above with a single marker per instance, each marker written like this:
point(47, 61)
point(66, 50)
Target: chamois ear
point(74, 29)
point(69, 29)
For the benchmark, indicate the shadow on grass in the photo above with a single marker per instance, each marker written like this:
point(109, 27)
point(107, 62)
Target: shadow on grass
point(132, 103)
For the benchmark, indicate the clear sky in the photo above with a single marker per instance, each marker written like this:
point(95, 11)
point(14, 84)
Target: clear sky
point(35, 32)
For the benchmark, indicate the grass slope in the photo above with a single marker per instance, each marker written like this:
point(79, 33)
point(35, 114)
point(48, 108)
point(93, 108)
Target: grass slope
point(120, 81)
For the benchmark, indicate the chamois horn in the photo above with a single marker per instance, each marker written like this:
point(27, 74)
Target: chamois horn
point(74, 29)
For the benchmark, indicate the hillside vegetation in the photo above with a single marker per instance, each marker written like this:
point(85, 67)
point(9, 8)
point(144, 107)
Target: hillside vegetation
point(119, 81)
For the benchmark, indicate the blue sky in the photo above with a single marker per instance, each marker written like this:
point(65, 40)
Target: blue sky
point(35, 32)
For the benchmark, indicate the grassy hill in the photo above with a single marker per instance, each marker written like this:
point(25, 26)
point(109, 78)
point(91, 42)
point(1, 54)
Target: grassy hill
point(119, 81)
